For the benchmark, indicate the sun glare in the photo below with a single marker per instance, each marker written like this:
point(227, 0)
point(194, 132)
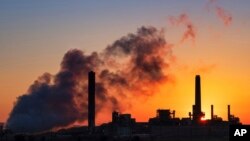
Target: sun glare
point(203, 119)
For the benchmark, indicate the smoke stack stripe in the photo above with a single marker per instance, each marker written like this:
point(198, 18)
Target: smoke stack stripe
point(91, 101)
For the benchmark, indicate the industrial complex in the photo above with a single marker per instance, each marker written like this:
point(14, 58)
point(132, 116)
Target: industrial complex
point(163, 127)
point(166, 124)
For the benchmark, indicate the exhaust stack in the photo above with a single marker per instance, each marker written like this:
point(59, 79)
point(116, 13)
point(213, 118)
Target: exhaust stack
point(197, 113)
point(91, 101)
point(212, 112)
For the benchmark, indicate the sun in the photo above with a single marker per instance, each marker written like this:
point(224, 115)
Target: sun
point(203, 119)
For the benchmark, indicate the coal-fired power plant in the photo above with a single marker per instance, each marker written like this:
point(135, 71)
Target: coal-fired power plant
point(91, 101)
point(197, 113)
point(123, 126)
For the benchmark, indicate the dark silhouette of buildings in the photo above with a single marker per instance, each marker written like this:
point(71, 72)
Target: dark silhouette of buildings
point(164, 117)
point(164, 126)
point(91, 101)
point(214, 118)
point(231, 118)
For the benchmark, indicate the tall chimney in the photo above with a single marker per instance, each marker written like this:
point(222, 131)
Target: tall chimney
point(198, 93)
point(228, 113)
point(212, 112)
point(91, 101)
point(174, 114)
point(197, 114)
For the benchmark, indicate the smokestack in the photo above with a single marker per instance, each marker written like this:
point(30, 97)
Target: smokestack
point(174, 114)
point(91, 101)
point(197, 114)
point(190, 115)
point(228, 113)
point(212, 112)
point(198, 93)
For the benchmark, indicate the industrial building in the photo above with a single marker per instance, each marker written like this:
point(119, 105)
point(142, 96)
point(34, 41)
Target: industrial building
point(166, 124)
point(163, 127)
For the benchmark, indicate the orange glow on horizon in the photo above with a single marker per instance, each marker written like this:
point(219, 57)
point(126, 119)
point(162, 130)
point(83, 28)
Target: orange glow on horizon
point(203, 119)
point(178, 96)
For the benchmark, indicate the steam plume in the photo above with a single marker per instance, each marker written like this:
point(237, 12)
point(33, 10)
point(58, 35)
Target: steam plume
point(135, 65)
point(225, 16)
point(183, 19)
point(221, 13)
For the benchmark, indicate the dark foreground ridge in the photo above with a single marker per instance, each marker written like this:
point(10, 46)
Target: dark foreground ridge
point(163, 127)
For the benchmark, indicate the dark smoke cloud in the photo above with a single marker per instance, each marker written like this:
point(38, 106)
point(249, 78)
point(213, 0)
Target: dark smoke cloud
point(135, 65)
point(51, 101)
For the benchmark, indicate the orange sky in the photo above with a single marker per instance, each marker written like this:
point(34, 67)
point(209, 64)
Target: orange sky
point(31, 46)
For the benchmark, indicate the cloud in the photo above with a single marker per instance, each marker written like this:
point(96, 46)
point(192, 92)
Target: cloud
point(59, 100)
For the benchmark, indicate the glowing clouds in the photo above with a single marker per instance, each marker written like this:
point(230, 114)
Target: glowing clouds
point(59, 100)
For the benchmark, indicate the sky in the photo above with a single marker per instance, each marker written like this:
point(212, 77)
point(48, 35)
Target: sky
point(34, 36)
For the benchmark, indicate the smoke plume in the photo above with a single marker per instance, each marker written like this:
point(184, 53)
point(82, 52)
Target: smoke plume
point(225, 16)
point(133, 66)
point(183, 20)
point(221, 13)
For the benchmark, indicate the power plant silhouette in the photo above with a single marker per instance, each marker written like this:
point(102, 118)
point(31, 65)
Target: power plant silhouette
point(165, 120)
point(163, 127)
